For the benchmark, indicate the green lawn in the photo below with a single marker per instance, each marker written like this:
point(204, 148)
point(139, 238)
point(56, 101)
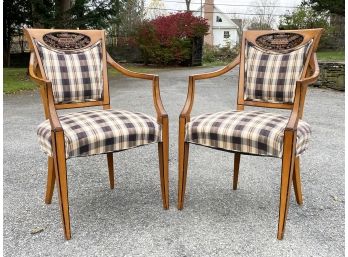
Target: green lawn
point(16, 79)
point(322, 56)
point(330, 56)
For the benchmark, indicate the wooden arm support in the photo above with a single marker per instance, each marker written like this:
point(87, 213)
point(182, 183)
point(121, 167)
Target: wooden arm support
point(127, 72)
point(217, 73)
point(47, 87)
point(186, 111)
point(161, 113)
point(300, 93)
point(32, 68)
point(53, 116)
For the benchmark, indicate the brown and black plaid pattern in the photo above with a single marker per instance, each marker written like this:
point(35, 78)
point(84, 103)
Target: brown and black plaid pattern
point(271, 76)
point(101, 131)
point(251, 132)
point(75, 76)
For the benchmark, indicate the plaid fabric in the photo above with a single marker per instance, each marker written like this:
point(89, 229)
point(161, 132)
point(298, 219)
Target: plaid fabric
point(251, 132)
point(75, 76)
point(271, 77)
point(101, 131)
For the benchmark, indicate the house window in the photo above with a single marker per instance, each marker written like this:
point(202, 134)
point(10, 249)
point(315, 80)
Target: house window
point(218, 19)
point(226, 34)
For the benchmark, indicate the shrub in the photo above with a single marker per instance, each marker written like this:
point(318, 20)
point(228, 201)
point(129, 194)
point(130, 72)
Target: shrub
point(168, 39)
point(220, 54)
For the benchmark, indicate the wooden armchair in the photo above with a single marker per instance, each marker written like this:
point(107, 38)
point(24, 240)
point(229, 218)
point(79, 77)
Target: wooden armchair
point(70, 66)
point(275, 69)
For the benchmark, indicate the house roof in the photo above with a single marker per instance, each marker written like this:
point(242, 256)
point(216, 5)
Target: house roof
point(222, 15)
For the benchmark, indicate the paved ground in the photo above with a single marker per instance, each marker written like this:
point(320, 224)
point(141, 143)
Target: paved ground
point(216, 221)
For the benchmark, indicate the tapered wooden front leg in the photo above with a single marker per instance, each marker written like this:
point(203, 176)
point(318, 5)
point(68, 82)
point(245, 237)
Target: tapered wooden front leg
point(297, 181)
point(286, 176)
point(110, 158)
point(186, 155)
point(51, 177)
point(183, 163)
point(163, 176)
point(236, 170)
point(163, 156)
point(61, 179)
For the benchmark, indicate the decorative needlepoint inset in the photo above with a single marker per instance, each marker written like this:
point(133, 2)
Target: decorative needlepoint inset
point(66, 40)
point(279, 41)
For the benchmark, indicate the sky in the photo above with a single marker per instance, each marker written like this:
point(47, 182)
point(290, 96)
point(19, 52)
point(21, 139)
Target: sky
point(225, 6)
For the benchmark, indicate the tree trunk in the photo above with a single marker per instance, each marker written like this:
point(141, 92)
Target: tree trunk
point(337, 27)
point(188, 5)
point(35, 15)
point(7, 47)
point(62, 6)
point(7, 55)
point(6, 40)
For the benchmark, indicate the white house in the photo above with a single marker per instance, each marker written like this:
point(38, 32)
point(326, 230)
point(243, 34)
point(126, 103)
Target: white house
point(223, 30)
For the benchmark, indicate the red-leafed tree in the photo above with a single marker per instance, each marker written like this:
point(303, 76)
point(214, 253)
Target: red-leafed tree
point(168, 39)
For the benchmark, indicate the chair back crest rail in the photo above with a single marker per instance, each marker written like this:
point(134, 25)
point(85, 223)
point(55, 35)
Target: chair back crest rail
point(277, 43)
point(67, 42)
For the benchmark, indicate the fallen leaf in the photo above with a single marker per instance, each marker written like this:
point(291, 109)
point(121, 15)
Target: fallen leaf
point(36, 231)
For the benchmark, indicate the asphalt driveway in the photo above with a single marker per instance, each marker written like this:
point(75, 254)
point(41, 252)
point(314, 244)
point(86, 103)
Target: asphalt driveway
point(216, 221)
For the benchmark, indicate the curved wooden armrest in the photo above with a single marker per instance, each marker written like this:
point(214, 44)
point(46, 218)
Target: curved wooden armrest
point(53, 116)
point(294, 117)
point(186, 111)
point(32, 75)
point(47, 85)
point(314, 77)
point(300, 91)
point(161, 113)
point(217, 73)
point(127, 72)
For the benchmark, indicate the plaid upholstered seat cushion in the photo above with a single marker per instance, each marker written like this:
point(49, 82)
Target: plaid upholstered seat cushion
point(271, 76)
point(101, 131)
point(76, 76)
point(251, 132)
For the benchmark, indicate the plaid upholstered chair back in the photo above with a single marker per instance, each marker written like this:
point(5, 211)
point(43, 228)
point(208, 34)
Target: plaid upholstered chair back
point(272, 63)
point(74, 62)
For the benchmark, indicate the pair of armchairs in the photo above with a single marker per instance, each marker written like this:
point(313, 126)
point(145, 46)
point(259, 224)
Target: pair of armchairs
point(71, 68)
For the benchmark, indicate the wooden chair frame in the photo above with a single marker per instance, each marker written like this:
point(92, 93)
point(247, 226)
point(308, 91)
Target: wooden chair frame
point(57, 170)
point(290, 163)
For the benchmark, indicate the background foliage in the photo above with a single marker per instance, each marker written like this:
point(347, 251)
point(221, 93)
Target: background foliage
point(168, 39)
point(305, 17)
point(309, 15)
point(333, 6)
point(118, 17)
point(220, 55)
point(121, 18)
